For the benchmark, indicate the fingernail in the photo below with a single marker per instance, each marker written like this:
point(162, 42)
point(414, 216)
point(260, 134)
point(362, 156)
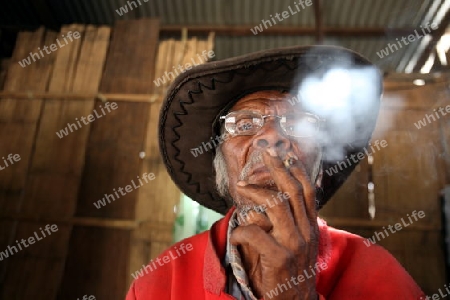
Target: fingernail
point(241, 183)
point(271, 152)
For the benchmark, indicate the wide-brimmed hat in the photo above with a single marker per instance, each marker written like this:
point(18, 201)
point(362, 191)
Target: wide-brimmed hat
point(338, 84)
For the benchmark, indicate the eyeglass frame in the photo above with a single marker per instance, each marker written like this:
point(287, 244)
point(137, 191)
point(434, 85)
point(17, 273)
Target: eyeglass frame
point(320, 121)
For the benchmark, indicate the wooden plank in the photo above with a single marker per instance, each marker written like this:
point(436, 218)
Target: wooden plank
point(96, 263)
point(162, 192)
point(4, 63)
point(123, 73)
point(56, 165)
point(25, 278)
point(408, 174)
point(134, 76)
point(35, 259)
point(353, 193)
point(444, 125)
point(148, 206)
point(62, 159)
point(19, 137)
point(33, 77)
point(148, 98)
point(79, 221)
point(83, 65)
point(398, 187)
point(55, 159)
point(18, 123)
point(112, 161)
point(141, 247)
point(412, 97)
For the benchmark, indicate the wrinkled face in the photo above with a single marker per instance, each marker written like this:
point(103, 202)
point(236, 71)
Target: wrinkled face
point(241, 154)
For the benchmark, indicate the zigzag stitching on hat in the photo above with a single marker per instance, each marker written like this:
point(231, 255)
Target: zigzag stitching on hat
point(184, 112)
point(199, 90)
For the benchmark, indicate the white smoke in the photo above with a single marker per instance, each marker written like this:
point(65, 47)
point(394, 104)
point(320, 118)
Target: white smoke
point(343, 95)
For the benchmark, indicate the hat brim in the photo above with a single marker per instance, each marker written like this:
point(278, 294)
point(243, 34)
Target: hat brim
point(197, 96)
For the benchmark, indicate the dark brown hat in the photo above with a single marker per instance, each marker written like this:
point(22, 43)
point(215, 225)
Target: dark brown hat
point(188, 135)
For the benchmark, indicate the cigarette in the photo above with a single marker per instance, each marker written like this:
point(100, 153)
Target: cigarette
point(289, 159)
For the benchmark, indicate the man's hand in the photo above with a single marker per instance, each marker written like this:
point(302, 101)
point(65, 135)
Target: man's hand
point(290, 247)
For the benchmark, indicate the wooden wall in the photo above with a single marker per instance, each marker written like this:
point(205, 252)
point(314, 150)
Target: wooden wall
point(95, 251)
point(408, 175)
point(57, 179)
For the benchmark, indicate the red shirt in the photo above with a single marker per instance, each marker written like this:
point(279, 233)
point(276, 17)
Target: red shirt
point(192, 269)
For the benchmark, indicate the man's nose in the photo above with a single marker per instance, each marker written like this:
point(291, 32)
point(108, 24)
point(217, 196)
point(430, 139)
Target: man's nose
point(271, 135)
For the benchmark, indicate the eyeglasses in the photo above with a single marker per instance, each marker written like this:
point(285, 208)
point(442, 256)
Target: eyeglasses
point(249, 123)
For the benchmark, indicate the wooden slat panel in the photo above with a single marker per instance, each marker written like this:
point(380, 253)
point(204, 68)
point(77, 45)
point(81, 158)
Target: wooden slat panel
point(19, 137)
point(18, 124)
point(4, 63)
point(353, 193)
point(157, 199)
point(141, 248)
point(96, 263)
point(33, 77)
point(30, 269)
point(408, 175)
point(112, 161)
point(59, 162)
point(35, 258)
point(115, 143)
point(56, 165)
point(132, 57)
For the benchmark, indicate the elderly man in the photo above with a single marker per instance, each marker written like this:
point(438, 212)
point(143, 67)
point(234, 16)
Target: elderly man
point(278, 118)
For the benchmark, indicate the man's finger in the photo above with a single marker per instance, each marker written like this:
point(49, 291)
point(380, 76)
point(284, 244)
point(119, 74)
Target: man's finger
point(278, 211)
point(253, 236)
point(309, 193)
point(286, 182)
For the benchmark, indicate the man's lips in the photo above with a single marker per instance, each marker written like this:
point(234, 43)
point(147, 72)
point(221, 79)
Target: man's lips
point(259, 169)
point(261, 176)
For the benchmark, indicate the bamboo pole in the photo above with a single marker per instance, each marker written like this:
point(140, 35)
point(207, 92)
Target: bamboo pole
point(28, 95)
point(90, 222)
